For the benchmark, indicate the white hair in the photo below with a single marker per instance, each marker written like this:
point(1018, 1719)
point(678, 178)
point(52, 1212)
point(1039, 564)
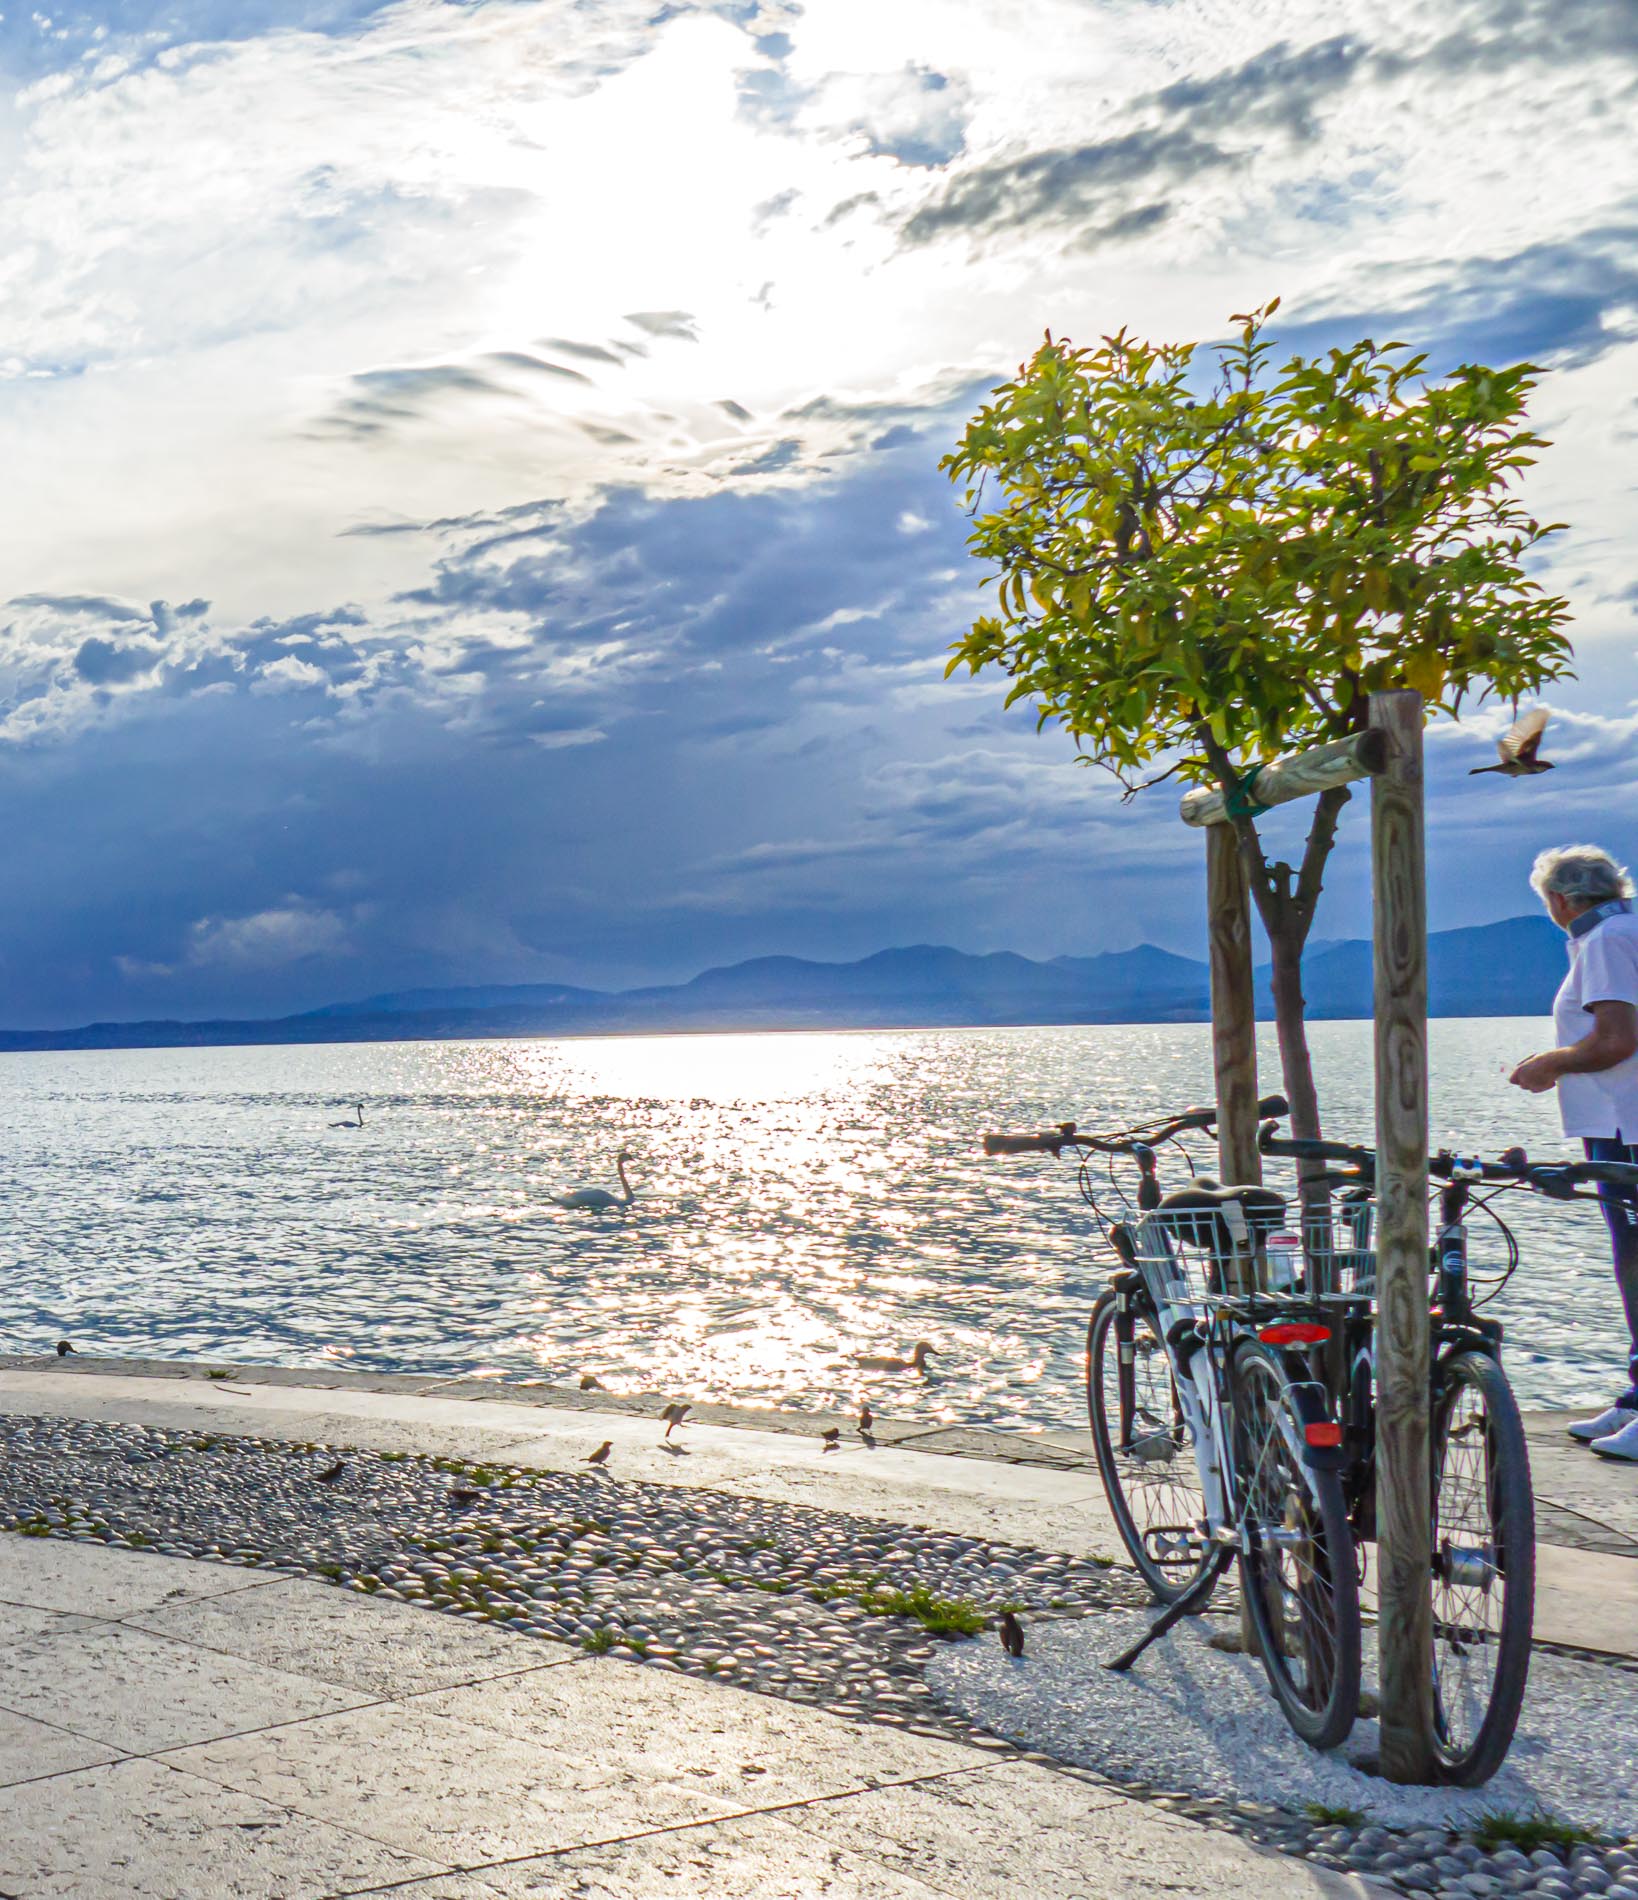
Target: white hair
point(1582, 873)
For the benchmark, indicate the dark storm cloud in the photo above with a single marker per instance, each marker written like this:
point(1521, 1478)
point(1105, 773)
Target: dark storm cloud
point(1278, 87)
point(1069, 184)
point(1548, 303)
point(106, 663)
point(96, 606)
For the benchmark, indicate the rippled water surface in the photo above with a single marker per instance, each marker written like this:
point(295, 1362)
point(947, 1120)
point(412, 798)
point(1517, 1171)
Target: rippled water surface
point(803, 1198)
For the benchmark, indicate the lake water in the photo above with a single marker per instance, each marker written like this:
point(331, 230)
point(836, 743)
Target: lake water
point(805, 1197)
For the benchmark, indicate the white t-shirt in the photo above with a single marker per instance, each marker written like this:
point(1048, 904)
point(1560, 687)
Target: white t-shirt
point(1603, 969)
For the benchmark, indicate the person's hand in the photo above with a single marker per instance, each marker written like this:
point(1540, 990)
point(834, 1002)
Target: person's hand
point(1535, 1073)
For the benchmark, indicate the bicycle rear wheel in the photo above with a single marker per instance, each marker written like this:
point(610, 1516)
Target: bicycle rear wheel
point(1484, 1568)
point(1144, 1448)
point(1297, 1570)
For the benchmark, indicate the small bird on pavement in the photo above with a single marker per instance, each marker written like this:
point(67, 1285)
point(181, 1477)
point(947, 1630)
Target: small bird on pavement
point(601, 1455)
point(63, 1349)
point(335, 1471)
point(1012, 1634)
point(867, 1419)
point(589, 1382)
point(463, 1494)
point(883, 1362)
point(1518, 747)
point(673, 1416)
point(832, 1435)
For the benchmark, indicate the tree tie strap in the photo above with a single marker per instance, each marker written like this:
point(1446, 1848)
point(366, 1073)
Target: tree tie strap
point(1239, 801)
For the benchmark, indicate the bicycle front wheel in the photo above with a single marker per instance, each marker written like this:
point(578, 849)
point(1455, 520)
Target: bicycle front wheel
point(1484, 1568)
point(1297, 1569)
point(1144, 1447)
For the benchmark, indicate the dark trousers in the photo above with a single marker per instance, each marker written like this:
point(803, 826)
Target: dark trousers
point(1621, 1212)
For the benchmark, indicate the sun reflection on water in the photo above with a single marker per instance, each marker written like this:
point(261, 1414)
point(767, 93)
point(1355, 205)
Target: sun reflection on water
point(803, 1198)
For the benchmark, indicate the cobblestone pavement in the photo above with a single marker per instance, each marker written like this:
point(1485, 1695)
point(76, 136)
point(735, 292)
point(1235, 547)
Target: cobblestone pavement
point(815, 1606)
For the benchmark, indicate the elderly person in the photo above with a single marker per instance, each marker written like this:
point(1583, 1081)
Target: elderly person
point(1595, 1070)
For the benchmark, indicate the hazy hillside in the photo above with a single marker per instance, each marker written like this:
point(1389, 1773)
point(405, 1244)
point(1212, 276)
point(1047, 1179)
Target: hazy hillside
point(1504, 969)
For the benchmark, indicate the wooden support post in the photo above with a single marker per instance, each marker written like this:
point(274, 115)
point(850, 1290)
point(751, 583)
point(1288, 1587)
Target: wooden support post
point(1404, 1508)
point(1233, 1007)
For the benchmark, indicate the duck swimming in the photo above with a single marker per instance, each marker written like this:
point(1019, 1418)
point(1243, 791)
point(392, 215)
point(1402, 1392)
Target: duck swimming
point(917, 1362)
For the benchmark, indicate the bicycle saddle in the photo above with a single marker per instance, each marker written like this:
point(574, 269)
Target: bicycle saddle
point(1204, 1192)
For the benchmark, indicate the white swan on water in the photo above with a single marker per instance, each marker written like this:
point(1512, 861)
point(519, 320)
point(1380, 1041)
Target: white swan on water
point(600, 1200)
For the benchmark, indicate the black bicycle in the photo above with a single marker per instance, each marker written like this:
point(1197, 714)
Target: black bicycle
point(1213, 1440)
point(1484, 1546)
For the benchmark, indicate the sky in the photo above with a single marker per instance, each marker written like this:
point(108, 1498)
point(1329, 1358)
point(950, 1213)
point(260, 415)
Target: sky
point(471, 508)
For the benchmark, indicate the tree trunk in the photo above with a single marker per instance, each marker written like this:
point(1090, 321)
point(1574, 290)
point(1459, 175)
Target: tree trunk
point(1296, 1061)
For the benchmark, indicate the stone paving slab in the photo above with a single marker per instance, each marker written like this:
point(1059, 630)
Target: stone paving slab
point(703, 1745)
point(452, 1791)
point(30, 1750)
point(141, 1831)
point(41, 1574)
point(358, 1643)
point(101, 1683)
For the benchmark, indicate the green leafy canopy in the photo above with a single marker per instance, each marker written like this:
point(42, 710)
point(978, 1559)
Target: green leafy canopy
point(1224, 573)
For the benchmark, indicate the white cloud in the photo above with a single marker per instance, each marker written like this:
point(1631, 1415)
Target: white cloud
point(266, 939)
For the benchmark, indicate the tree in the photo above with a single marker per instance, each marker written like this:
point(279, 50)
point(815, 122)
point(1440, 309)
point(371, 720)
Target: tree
point(1196, 574)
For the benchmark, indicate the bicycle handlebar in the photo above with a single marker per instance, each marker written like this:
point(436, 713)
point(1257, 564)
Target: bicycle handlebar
point(1123, 1141)
point(1556, 1179)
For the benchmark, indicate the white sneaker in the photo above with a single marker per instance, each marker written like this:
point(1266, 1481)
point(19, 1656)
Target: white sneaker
point(1621, 1444)
point(1602, 1426)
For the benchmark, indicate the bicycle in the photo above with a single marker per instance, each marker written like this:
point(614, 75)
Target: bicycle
point(1483, 1534)
point(1190, 1360)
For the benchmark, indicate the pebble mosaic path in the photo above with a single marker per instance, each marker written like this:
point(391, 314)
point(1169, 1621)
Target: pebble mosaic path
point(812, 1605)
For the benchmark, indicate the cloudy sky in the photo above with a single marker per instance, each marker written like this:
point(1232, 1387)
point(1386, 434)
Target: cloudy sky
point(470, 495)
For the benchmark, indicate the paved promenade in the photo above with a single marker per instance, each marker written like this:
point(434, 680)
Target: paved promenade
point(185, 1731)
point(171, 1727)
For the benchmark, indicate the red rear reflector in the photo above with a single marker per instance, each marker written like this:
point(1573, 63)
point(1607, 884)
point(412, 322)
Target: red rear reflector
point(1295, 1332)
point(1328, 1432)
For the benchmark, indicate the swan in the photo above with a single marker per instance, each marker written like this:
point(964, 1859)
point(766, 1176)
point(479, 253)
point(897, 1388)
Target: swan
point(358, 1109)
point(600, 1200)
point(917, 1362)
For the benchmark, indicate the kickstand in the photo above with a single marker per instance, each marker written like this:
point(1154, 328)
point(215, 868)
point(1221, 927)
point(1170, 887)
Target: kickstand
point(1192, 1600)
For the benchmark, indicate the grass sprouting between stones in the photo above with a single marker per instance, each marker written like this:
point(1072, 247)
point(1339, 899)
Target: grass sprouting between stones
point(1528, 1832)
point(597, 1642)
point(1328, 1816)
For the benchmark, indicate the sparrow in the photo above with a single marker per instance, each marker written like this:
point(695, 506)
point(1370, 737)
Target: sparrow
point(673, 1416)
point(335, 1471)
point(1012, 1634)
point(601, 1455)
point(1518, 746)
point(63, 1349)
point(463, 1494)
point(867, 1419)
point(832, 1435)
point(589, 1382)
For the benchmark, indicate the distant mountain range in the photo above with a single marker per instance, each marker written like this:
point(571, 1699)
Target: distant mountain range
point(1510, 968)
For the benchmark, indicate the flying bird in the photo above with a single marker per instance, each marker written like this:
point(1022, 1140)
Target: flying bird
point(63, 1349)
point(1518, 747)
point(358, 1110)
point(335, 1471)
point(917, 1362)
point(673, 1416)
point(597, 1200)
point(1012, 1634)
point(601, 1455)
